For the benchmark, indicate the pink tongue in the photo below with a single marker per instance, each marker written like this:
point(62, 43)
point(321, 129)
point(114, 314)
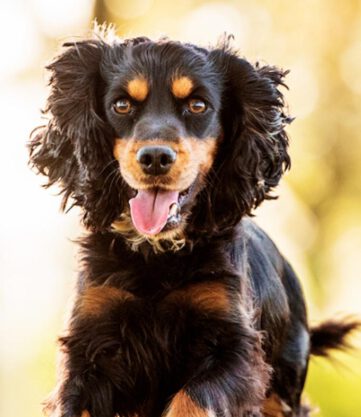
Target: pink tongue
point(150, 208)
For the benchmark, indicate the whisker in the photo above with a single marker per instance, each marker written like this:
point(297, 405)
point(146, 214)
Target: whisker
point(112, 174)
point(106, 166)
point(116, 177)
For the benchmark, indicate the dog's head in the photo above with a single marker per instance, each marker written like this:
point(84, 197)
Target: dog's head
point(159, 139)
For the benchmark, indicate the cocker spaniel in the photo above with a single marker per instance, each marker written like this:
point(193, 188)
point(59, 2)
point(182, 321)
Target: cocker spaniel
point(184, 307)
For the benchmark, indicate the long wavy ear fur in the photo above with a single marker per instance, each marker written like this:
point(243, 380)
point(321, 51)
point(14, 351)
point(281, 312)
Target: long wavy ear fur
point(75, 148)
point(253, 154)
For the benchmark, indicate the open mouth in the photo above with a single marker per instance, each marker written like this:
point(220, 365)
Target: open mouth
point(155, 210)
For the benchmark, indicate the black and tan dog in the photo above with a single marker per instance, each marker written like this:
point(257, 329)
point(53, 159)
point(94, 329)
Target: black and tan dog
point(184, 307)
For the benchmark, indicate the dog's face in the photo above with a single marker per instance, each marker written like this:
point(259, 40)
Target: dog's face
point(154, 139)
point(164, 109)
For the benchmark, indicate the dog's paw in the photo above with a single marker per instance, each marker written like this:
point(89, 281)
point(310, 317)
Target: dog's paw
point(274, 406)
point(183, 406)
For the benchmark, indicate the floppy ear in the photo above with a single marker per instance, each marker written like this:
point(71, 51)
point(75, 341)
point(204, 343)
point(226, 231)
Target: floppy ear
point(253, 154)
point(75, 148)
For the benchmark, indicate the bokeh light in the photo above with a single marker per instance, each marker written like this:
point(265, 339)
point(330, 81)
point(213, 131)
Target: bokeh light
point(61, 18)
point(128, 10)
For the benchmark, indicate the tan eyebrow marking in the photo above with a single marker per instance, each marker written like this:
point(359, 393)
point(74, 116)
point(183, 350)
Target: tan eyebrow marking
point(182, 87)
point(138, 88)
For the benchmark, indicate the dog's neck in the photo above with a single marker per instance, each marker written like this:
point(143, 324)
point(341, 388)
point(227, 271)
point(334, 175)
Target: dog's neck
point(107, 258)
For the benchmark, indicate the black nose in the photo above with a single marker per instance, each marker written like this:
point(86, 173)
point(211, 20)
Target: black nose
point(156, 160)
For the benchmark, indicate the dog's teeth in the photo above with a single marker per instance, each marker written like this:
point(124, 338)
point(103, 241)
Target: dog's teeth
point(173, 210)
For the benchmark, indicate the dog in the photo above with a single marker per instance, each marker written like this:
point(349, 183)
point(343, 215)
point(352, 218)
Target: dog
point(184, 307)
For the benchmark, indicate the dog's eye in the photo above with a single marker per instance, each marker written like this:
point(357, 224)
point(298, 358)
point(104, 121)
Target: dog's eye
point(122, 106)
point(196, 105)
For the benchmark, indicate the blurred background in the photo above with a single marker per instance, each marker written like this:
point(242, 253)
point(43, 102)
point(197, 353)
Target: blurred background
point(316, 222)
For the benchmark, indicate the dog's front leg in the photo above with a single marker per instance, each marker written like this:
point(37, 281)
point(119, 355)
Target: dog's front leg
point(81, 391)
point(230, 376)
point(68, 398)
point(90, 369)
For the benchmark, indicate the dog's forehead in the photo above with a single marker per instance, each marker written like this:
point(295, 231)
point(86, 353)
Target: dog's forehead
point(167, 60)
point(170, 66)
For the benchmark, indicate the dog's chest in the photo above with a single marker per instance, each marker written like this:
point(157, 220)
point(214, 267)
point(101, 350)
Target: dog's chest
point(150, 338)
point(149, 320)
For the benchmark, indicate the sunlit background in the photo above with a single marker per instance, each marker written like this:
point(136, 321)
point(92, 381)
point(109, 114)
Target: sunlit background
point(316, 222)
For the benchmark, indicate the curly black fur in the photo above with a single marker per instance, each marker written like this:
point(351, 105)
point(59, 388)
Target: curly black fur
point(216, 327)
point(254, 156)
